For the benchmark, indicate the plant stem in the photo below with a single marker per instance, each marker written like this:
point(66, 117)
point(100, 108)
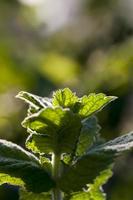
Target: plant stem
point(56, 193)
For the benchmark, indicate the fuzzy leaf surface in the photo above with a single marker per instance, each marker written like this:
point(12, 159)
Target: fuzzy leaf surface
point(35, 102)
point(23, 167)
point(57, 130)
point(117, 145)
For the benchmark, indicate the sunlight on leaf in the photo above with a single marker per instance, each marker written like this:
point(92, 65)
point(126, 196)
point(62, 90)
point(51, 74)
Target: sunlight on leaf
point(24, 195)
point(93, 103)
point(58, 130)
point(64, 98)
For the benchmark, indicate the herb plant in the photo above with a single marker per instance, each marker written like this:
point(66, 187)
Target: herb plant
point(69, 159)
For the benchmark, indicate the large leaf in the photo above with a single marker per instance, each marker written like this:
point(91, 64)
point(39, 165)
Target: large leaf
point(117, 146)
point(35, 102)
point(94, 191)
point(93, 103)
point(23, 167)
point(65, 98)
point(88, 167)
point(88, 136)
point(84, 171)
point(54, 130)
point(24, 195)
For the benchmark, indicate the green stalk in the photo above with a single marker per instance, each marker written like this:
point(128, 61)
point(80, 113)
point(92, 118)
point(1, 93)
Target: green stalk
point(56, 193)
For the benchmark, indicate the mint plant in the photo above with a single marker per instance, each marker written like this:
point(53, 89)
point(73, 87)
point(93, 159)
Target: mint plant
point(69, 159)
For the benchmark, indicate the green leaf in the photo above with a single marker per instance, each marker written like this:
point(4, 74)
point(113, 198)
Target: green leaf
point(45, 161)
point(17, 163)
point(84, 171)
point(88, 136)
point(88, 167)
point(35, 102)
point(94, 191)
point(117, 146)
point(40, 143)
point(67, 159)
point(64, 98)
point(5, 178)
point(54, 130)
point(93, 103)
point(24, 195)
point(78, 196)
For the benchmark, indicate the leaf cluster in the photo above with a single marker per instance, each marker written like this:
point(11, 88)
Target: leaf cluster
point(65, 127)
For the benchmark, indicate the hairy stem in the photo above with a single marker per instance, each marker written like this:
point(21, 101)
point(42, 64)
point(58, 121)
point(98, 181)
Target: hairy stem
point(56, 193)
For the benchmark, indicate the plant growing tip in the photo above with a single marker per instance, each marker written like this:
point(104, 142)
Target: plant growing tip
point(69, 160)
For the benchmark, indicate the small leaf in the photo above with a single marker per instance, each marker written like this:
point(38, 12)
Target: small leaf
point(67, 159)
point(24, 195)
point(93, 103)
point(65, 98)
point(15, 162)
point(57, 129)
point(46, 162)
point(89, 134)
point(35, 102)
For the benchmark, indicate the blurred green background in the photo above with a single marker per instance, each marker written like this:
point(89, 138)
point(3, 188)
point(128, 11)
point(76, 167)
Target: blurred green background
point(86, 45)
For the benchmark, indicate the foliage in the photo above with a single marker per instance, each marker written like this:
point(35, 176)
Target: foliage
point(71, 160)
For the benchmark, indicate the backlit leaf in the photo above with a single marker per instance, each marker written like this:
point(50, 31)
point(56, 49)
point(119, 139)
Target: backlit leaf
point(64, 98)
point(24, 195)
point(79, 196)
point(5, 178)
point(57, 129)
point(40, 143)
point(35, 102)
point(93, 103)
point(94, 191)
